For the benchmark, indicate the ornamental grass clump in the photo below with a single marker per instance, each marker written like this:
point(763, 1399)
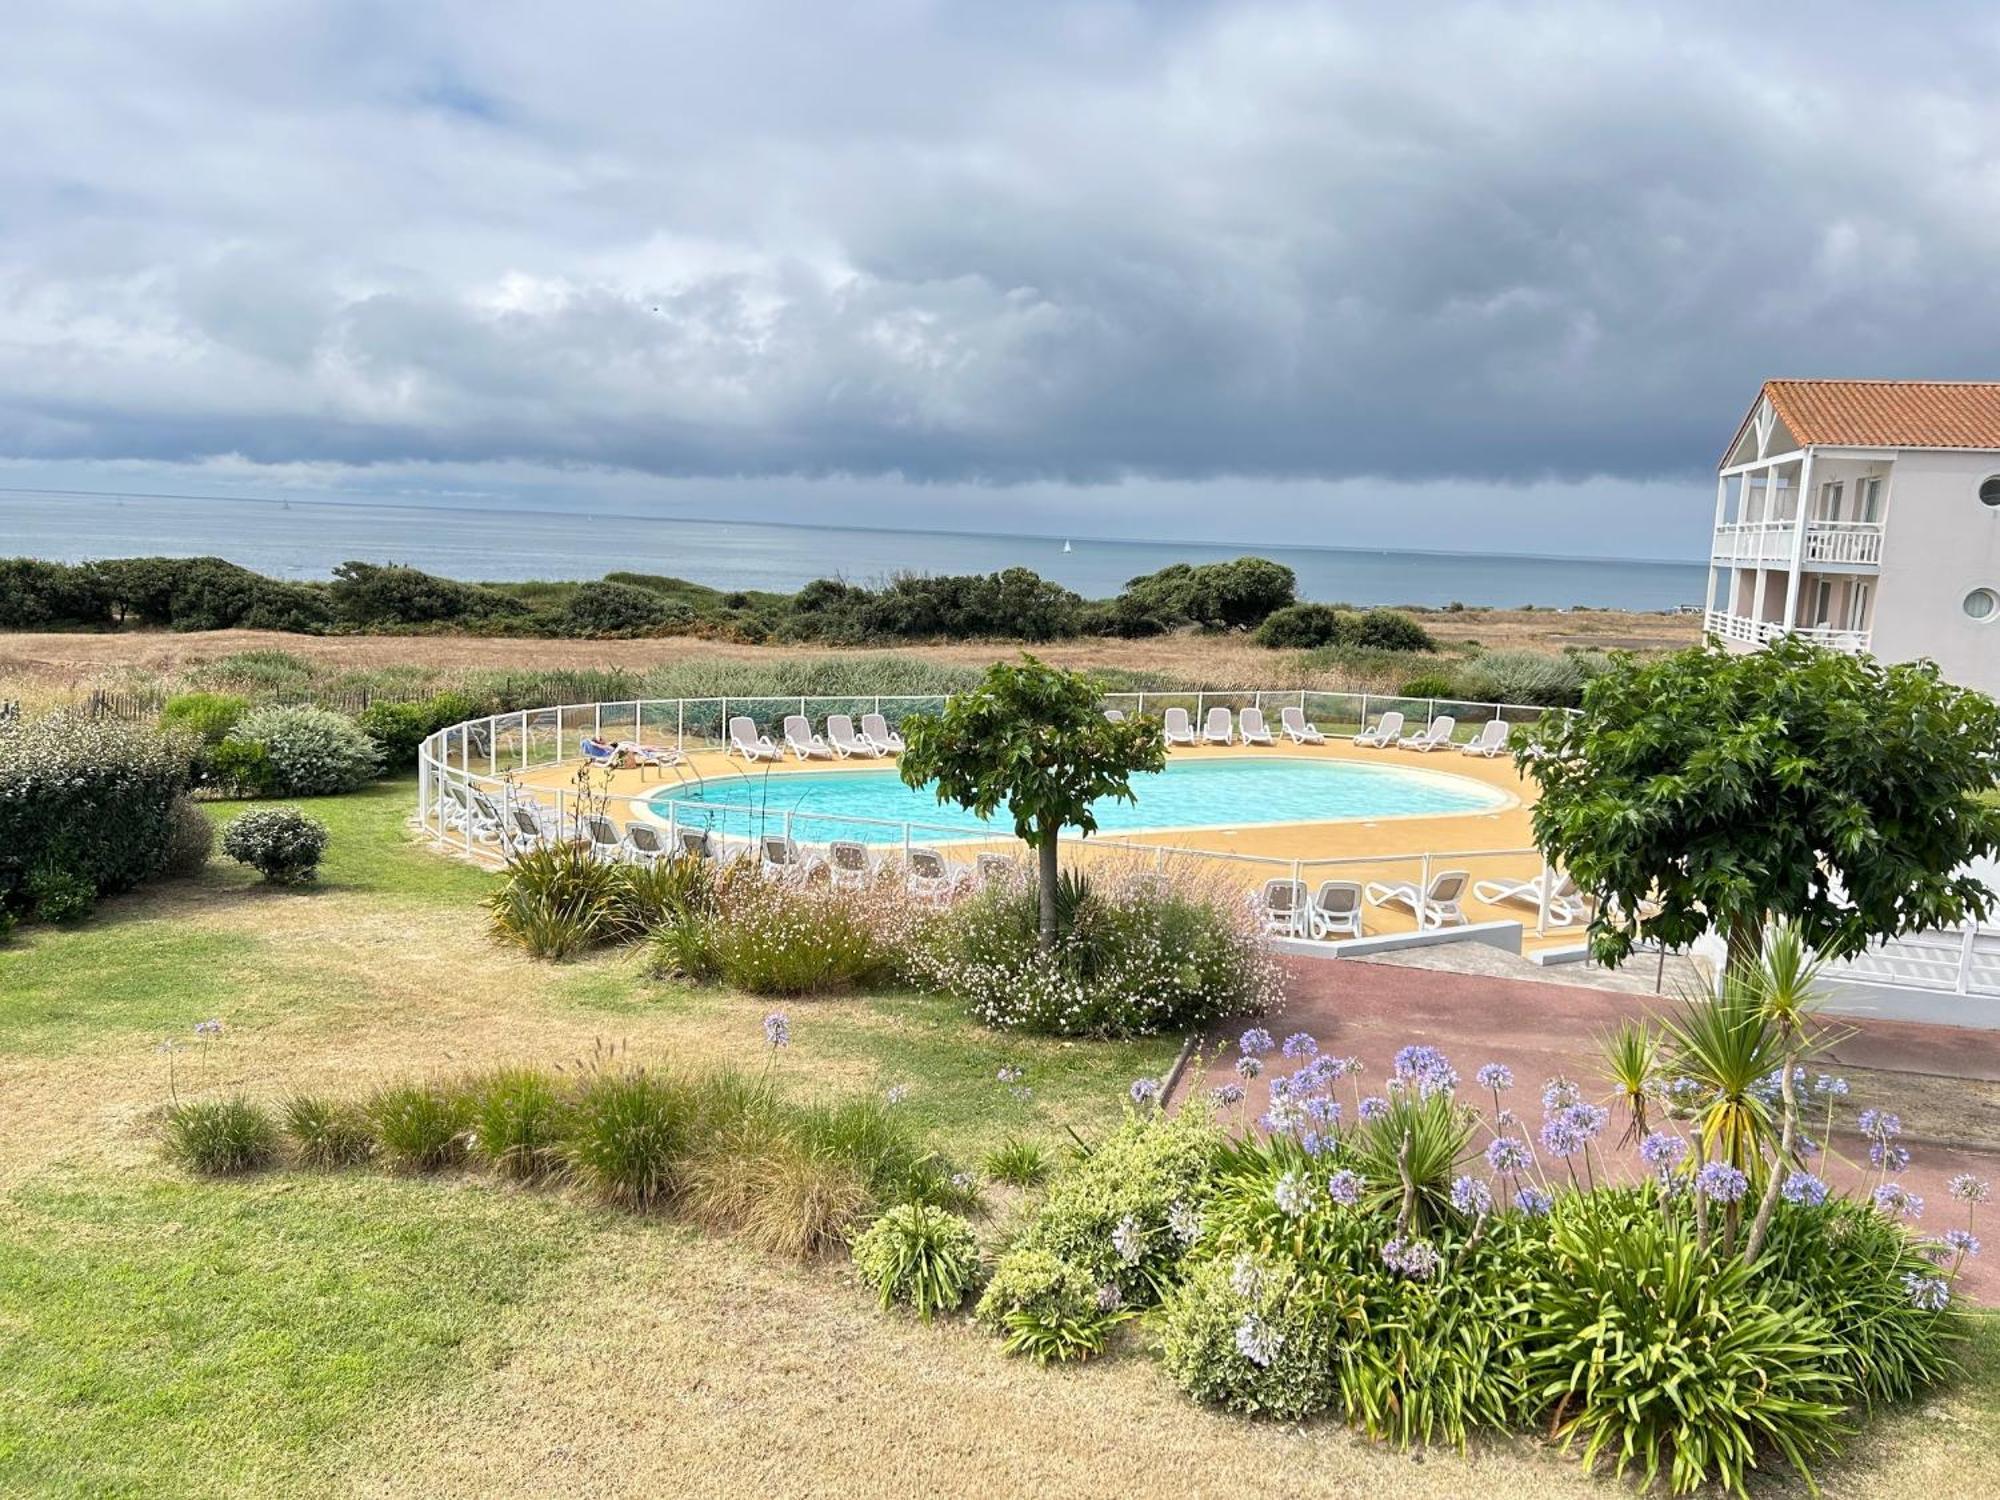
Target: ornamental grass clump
point(220, 1137)
point(920, 1257)
point(629, 1135)
point(517, 1118)
point(556, 900)
point(420, 1127)
point(1018, 1163)
point(773, 936)
point(327, 1134)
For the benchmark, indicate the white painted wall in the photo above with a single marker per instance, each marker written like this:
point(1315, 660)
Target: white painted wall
point(1940, 543)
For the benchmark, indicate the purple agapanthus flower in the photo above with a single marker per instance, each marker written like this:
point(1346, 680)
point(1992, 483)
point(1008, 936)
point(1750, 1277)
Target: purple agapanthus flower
point(1227, 1093)
point(1471, 1196)
point(1374, 1107)
point(1931, 1293)
point(1803, 1187)
point(1300, 1044)
point(896, 1093)
point(1427, 1068)
point(1829, 1087)
point(1570, 1129)
point(1184, 1223)
point(1495, 1077)
point(1416, 1259)
point(1964, 1241)
point(1255, 1042)
point(1322, 1111)
point(1966, 1188)
point(1662, 1152)
point(1249, 1065)
point(1246, 1278)
point(1011, 1074)
point(1721, 1183)
point(1559, 1094)
point(1533, 1202)
point(1109, 1298)
point(1897, 1201)
point(1344, 1188)
point(1889, 1158)
point(208, 1031)
point(1508, 1155)
point(778, 1029)
point(1880, 1124)
point(1144, 1091)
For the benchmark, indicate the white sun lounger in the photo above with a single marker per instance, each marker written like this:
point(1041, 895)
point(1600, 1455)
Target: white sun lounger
point(1566, 903)
point(1114, 716)
point(697, 843)
point(524, 830)
point(781, 856)
point(1281, 907)
point(744, 740)
point(1388, 729)
point(1250, 724)
point(1297, 730)
point(606, 842)
point(1436, 737)
point(1490, 741)
point(801, 740)
point(645, 844)
point(1216, 729)
point(1178, 729)
point(654, 757)
point(929, 877)
point(852, 866)
point(875, 729)
point(995, 869)
point(1435, 908)
point(840, 734)
point(1335, 911)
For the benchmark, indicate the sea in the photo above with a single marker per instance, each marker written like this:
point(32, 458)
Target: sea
point(306, 539)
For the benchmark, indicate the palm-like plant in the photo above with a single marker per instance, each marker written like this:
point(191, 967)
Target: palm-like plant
point(1785, 983)
point(1726, 1047)
point(1632, 1059)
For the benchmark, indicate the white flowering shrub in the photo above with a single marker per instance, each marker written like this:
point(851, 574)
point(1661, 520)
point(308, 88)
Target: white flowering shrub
point(1136, 957)
point(87, 803)
point(310, 752)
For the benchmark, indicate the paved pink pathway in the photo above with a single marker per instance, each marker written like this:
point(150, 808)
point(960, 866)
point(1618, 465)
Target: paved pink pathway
point(1542, 1030)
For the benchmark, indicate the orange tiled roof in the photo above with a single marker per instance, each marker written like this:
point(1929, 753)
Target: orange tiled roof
point(1889, 413)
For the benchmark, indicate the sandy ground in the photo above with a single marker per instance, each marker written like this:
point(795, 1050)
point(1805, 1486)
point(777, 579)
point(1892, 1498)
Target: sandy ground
point(1229, 661)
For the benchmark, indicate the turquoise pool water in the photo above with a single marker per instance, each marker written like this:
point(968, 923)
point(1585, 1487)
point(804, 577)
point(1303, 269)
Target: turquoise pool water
point(1235, 793)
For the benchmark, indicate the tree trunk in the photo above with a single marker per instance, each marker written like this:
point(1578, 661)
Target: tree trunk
point(1047, 883)
point(1746, 944)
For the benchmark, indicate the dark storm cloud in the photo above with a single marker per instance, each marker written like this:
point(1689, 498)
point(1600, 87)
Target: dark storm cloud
point(989, 243)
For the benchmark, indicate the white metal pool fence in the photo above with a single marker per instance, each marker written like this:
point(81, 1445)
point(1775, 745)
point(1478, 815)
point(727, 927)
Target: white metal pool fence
point(469, 792)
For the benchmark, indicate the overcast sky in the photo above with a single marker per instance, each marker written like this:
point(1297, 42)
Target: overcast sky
point(1474, 276)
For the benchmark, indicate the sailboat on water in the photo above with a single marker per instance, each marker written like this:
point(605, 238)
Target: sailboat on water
point(1068, 548)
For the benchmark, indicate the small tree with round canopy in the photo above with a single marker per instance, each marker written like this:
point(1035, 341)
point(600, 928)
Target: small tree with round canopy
point(1033, 738)
point(1708, 790)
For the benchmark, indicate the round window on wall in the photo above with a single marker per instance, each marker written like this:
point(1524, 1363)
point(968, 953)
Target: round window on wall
point(1989, 491)
point(1982, 604)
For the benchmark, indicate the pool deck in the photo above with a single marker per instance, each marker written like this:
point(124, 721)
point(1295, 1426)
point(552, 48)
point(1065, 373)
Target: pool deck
point(1485, 842)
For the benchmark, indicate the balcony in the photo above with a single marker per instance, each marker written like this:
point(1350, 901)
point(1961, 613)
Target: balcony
point(1835, 544)
point(1743, 630)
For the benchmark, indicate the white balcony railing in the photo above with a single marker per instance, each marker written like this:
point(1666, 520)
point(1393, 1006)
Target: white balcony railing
point(1749, 632)
point(1764, 543)
point(1853, 542)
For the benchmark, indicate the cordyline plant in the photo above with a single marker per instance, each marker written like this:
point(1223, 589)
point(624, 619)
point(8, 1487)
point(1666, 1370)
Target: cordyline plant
point(1033, 738)
point(1711, 791)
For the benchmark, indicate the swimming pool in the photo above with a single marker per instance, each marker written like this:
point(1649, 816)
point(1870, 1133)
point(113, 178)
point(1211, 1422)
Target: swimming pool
point(1235, 793)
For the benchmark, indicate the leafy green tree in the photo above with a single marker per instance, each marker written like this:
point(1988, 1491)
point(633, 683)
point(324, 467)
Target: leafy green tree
point(1034, 738)
point(1712, 791)
point(1235, 595)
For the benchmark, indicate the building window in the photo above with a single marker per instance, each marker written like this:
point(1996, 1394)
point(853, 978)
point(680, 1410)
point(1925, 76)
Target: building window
point(1868, 500)
point(1989, 491)
point(1982, 604)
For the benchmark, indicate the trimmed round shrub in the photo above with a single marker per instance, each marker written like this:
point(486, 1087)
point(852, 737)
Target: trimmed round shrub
point(1248, 1337)
point(420, 1127)
point(281, 843)
point(920, 1257)
point(326, 1134)
point(313, 752)
point(92, 798)
point(190, 840)
point(1047, 1310)
point(220, 1137)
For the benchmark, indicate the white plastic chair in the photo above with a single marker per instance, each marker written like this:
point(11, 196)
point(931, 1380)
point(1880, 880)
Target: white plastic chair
point(1297, 730)
point(1435, 908)
point(1250, 724)
point(802, 741)
point(1336, 910)
point(875, 729)
point(744, 740)
point(1436, 737)
point(1388, 729)
point(840, 734)
point(1179, 730)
